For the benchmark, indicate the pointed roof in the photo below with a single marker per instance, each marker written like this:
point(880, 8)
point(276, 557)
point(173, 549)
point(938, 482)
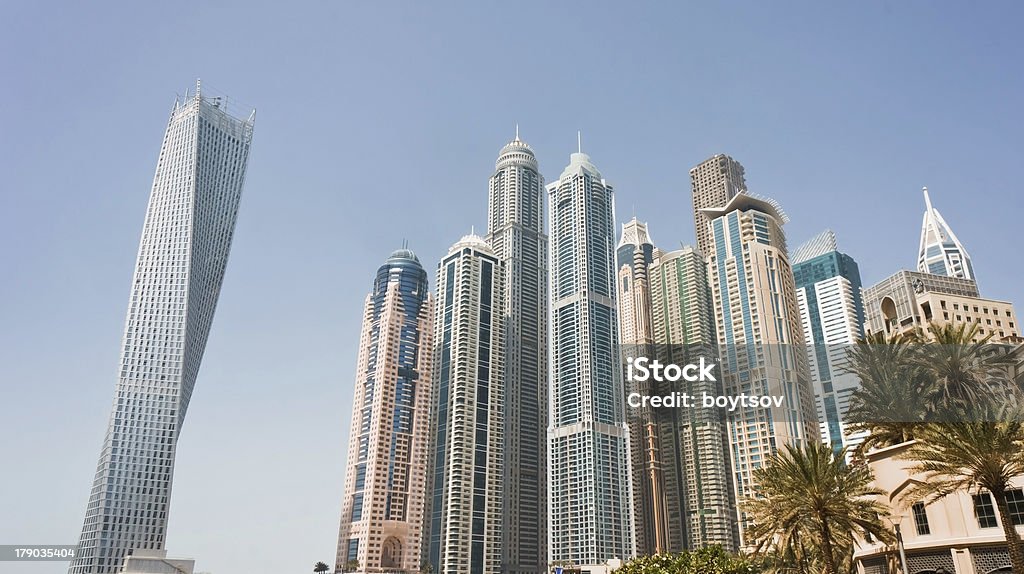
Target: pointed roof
point(940, 251)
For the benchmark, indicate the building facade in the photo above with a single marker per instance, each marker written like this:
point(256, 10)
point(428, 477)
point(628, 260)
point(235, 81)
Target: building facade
point(961, 533)
point(940, 252)
point(468, 414)
point(382, 510)
point(186, 239)
point(634, 254)
point(828, 291)
point(701, 504)
point(590, 503)
point(759, 334)
point(713, 183)
point(515, 231)
point(907, 301)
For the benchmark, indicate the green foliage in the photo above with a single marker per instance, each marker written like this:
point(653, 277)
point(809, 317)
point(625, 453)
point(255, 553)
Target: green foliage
point(809, 507)
point(320, 567)
point(940, 374)
point(709, 560)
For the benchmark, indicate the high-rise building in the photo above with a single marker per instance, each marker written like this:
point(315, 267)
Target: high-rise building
point(633, 255)
point(759, 334)
point(465, 512)
point(907, 301)
point(382, 511)
point(515, 231)
point(186, 238)
point(694, 442)
point(940, 252)
point(590, 503)
point(828, 291)
point(713, 183)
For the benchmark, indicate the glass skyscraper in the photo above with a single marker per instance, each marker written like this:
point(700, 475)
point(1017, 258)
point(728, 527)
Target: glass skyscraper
point(186, 238)
point(467, 490)
point(382, 511)
point(828, 291)
point(515, 231)
point(590, 501)
point(713, 183)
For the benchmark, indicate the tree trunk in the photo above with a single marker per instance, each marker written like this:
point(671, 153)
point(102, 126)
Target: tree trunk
point(826, 547)
point(1013, 543)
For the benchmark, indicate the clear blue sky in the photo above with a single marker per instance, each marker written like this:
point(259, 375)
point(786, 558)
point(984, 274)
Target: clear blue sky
point(378, 123)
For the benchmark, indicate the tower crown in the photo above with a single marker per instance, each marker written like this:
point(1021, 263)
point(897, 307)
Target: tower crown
point(940, 252)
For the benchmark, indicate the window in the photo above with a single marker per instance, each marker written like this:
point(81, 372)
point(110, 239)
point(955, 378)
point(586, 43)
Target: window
point(920, 519)
point(1015, 500)
point(984, 511)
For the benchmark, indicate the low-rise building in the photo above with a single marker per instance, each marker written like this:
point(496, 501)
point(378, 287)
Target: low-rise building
point(960, 534)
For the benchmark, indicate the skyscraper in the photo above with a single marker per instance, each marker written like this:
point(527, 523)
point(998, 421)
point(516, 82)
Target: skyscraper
point(940, 252)
point(382, 511)
point(633, 255)
point(713, 182)
point(759, 333)
point(515, 231)
point(467, 474)
point(828, 291)
point(590, 503)
point(186, 238)
point(694, 443)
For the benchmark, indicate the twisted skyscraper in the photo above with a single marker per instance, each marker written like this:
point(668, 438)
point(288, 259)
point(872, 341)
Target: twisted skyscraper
point(185, 243)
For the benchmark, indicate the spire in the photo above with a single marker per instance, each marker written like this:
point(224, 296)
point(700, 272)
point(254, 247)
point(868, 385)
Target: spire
point(517, 132)
point(579, 141)
point(940, 251)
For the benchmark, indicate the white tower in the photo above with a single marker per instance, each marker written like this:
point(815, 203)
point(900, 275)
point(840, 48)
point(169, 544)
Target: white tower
point(184, 249)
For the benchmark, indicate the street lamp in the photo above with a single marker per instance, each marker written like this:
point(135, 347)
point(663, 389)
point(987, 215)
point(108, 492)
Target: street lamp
point(896, 520)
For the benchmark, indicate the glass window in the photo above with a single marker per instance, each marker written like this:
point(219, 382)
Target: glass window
point(984, 511)
point(1015, 500)
point(921, 519)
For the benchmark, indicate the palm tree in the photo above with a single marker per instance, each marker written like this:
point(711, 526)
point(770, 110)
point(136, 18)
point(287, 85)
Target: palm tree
point(809, 497)
point(892, 383)
point(967, 373)
point(320, 568)
point(967, 455)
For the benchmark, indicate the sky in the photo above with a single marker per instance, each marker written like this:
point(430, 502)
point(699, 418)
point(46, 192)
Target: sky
point(378, 123)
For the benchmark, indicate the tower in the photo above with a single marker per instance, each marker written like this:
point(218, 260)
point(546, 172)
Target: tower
point(828, 292)
point(759, 333)
point(633, 255)
point(590, 503)
point(385, 474)
point(713, 183)
point(940, 252)
point(465, 520)
point(186, 239)
point(701, 504)
point(515, 232)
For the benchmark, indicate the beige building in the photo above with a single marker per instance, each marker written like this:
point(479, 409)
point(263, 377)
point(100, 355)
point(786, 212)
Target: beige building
point(156, 562)
point(909, 300)
point(960, 533)
point(385, 476)
point(713, 183)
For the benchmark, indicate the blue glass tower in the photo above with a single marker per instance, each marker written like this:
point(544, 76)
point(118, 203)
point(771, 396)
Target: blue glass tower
point(832, 313)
